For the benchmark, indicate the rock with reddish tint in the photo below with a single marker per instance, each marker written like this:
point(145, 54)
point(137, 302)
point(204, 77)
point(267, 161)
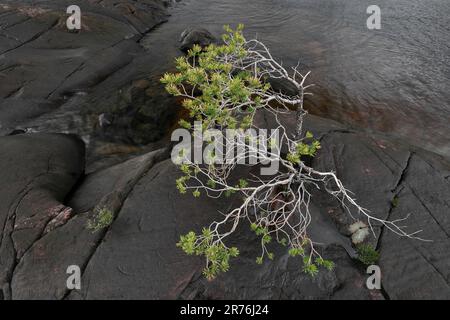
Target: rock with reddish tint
point(38, 171)
point(62, 81)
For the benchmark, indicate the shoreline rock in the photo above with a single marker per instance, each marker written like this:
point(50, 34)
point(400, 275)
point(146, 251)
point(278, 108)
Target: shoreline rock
point(136, 256)
point(60, 81)
point(38, 172)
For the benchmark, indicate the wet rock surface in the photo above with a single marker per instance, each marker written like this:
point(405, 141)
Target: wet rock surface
point(58, 80)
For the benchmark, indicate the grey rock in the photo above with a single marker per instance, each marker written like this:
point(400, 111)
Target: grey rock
point(38, 171)
point(61, 81)
point(144, 263)
point(41, 273)
point(283, 86)
point(415, 269)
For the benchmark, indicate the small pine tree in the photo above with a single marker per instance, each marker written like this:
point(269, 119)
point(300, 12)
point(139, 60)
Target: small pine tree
point(223, 86)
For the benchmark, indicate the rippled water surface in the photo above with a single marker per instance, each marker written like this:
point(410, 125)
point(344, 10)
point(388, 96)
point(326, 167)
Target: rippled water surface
point(394, 80)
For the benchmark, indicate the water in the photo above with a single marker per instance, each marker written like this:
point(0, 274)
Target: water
point(394, 80)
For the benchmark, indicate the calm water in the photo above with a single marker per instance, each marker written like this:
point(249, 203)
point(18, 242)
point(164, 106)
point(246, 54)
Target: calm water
point(394, 80)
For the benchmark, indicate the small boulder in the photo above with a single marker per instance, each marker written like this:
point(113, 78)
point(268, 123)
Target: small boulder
point(192, 36)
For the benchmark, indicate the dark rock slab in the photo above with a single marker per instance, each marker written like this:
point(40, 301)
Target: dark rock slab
point(417, 269)
point(370, 166)
point(14, 113)
point(144, 263)
point(38, 171)
point(41, 273)
point(120, 178)
point(395, 181)
point(48, 69)
point(283, 86)
point(136, 257)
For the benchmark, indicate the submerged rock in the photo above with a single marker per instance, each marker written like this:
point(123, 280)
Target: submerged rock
point(192, 36)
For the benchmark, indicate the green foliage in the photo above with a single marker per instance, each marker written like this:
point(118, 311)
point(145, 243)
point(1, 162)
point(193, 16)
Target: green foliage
point(184, 124)
point(229, 192)
point(394, 202)
point(211, 184)
point(293, 157)
point(181, 184)
point(283, 242)
point(102, 218)
point(327, 264)
point(216, 253)
point(242, 184)
point(293, 252)
point(309, 268)
point(206, 71)
point(304, 149)
point(266, 238)
point(367, 254)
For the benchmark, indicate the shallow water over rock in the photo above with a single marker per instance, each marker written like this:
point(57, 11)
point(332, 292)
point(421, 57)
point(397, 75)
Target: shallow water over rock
point(394, 80)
